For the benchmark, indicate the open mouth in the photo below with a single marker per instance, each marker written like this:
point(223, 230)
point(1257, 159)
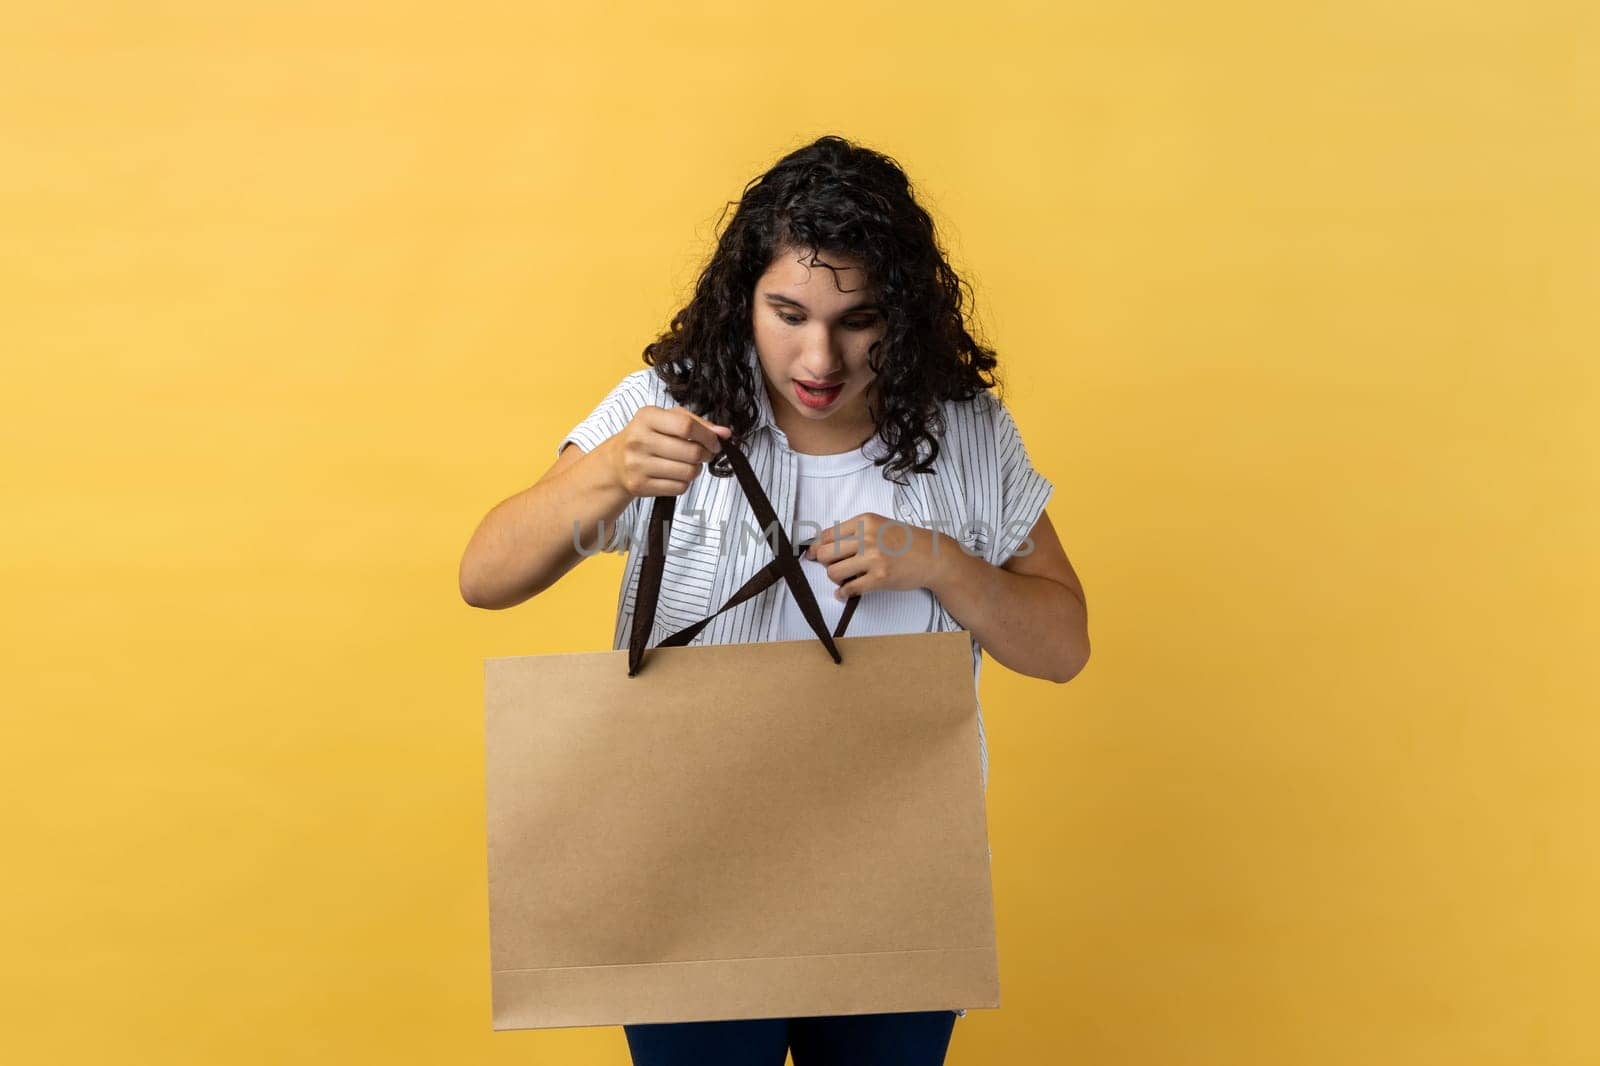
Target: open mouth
point(815, 396)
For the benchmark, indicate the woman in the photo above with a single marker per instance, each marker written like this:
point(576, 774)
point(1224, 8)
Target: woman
point(826, 338)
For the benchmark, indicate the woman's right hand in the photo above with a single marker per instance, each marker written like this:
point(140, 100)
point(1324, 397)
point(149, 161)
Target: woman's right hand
point(662, 449)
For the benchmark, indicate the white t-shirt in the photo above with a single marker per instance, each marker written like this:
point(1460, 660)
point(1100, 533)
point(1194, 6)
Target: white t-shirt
point(835, 488)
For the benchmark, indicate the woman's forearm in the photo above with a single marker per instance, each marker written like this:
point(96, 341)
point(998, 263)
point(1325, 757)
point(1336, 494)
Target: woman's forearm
point(1029, 624)
point(526, 543)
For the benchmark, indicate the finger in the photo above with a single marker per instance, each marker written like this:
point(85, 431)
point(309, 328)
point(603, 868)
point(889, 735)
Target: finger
point(856, 586)
point(663, 446)
point(720, 431)
point(846, 570)
point(832, 550)
point(842, 539)
point(684, 424)
point(663, 469)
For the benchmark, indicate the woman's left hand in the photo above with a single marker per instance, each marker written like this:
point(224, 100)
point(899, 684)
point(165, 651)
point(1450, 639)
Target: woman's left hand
point(873, 552)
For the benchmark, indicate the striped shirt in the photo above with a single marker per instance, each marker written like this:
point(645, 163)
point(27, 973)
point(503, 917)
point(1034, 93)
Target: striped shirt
point(983, 491)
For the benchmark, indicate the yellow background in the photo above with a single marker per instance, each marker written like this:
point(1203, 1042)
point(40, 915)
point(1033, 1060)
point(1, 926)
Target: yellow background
point(1296, 304)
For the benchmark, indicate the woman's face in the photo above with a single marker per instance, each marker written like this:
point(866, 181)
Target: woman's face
point(814, 326)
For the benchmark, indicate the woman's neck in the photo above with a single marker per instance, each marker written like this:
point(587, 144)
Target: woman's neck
point(827, 436)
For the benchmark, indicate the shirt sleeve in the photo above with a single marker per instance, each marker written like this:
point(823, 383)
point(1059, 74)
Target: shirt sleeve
point(608, 418)
point(1023, 490)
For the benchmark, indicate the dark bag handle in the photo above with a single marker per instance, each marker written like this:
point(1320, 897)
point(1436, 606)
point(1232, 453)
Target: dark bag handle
point(785, 566)
point(759, 582)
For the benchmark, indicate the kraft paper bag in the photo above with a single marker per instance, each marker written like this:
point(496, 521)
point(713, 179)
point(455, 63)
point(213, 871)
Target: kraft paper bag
point(740, 830)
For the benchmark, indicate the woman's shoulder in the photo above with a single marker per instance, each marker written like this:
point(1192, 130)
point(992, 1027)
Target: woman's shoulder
point(980, 417)
point(641, 388)
point(980, 404)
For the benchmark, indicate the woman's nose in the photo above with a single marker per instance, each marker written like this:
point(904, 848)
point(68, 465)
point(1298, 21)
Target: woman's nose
point(821, 360)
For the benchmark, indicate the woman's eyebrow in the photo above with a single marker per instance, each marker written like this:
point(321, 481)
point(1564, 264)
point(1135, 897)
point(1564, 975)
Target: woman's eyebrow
point(772, 297)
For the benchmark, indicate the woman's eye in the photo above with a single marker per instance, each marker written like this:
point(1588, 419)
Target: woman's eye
point(860, 323)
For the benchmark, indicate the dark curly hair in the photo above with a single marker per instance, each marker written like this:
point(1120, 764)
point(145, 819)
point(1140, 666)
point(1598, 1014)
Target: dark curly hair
point(832, 196)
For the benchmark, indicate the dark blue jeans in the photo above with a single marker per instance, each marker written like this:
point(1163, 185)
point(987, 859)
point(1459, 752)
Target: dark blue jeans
point(919, 1038)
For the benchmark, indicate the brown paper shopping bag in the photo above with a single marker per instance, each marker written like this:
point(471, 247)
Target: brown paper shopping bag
point(740, 830)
